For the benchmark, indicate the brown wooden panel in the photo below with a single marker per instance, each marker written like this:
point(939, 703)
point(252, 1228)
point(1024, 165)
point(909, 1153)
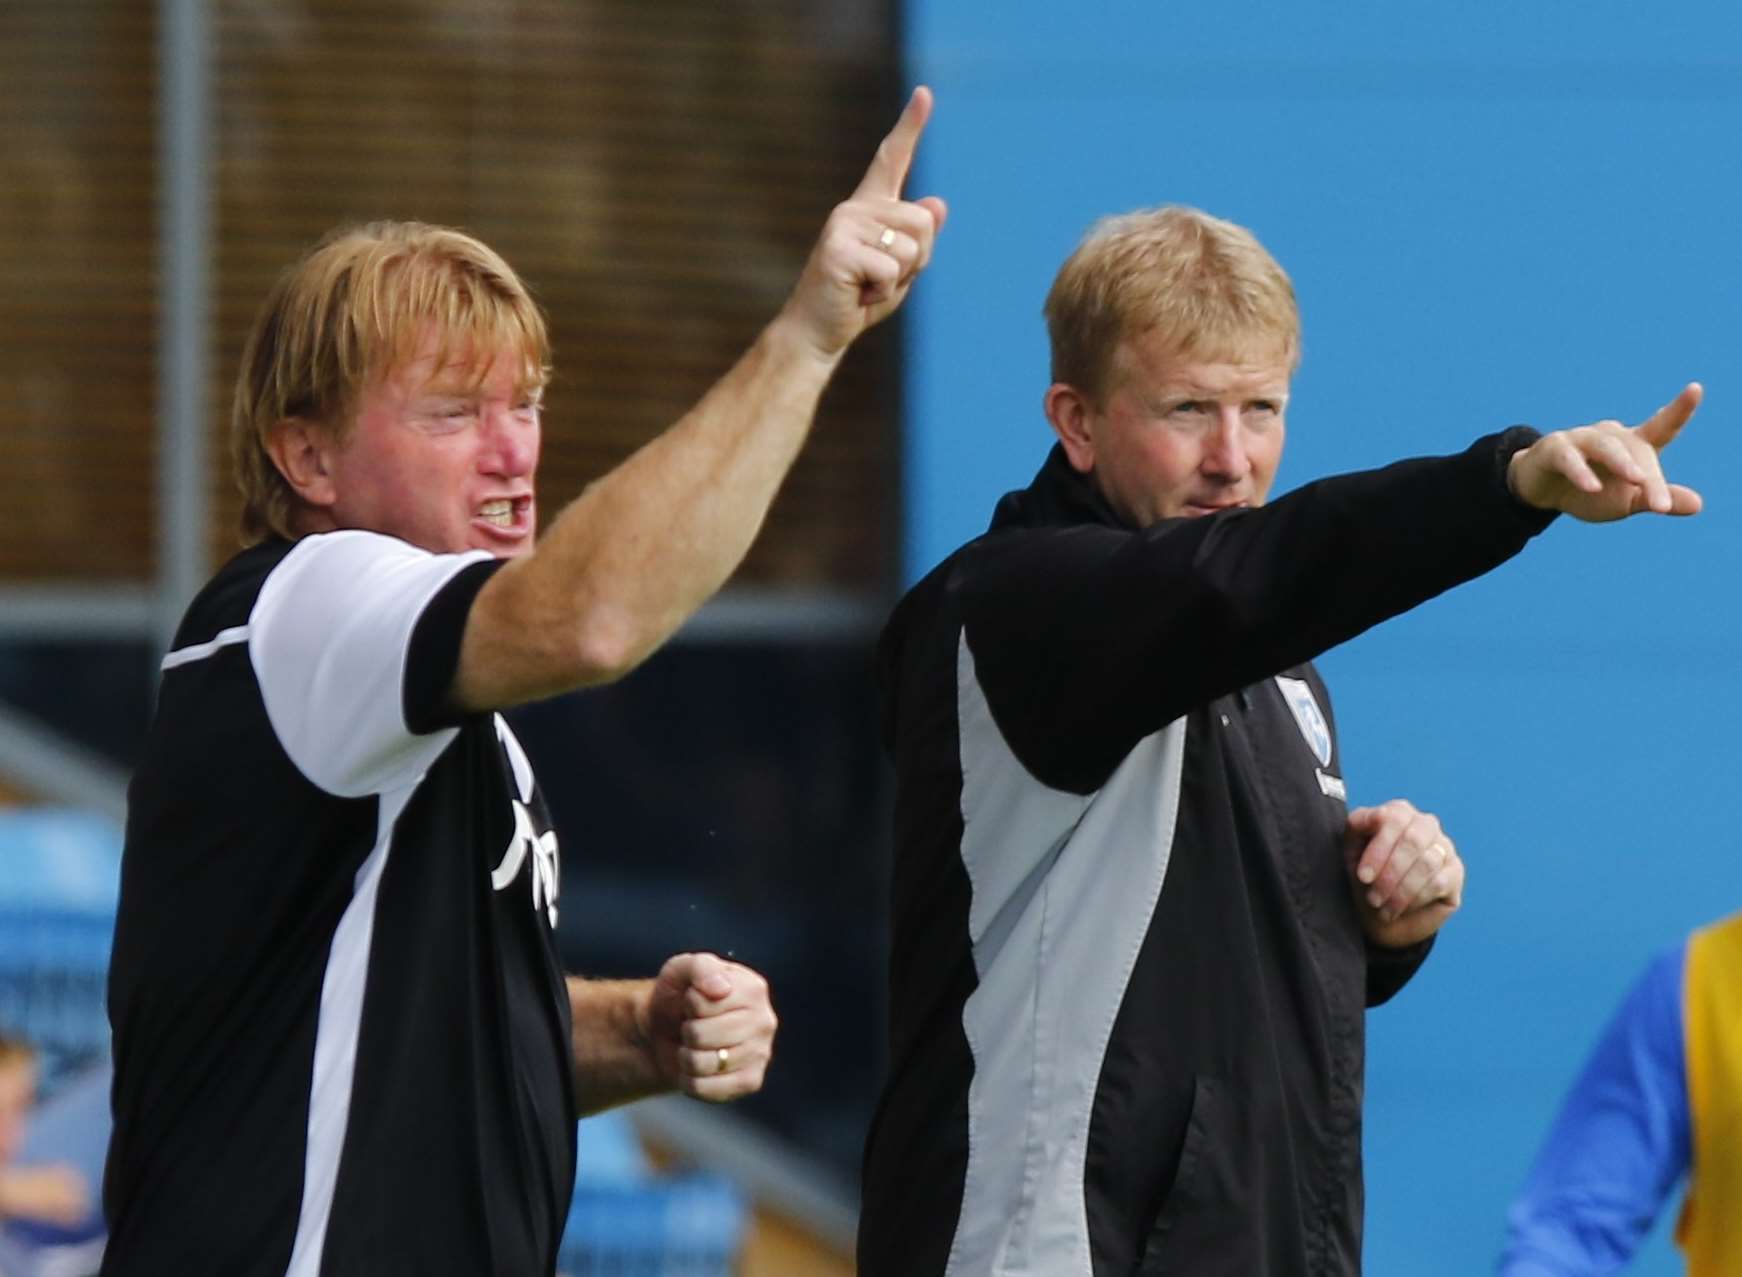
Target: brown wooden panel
point(77, 294)
point(657, 172)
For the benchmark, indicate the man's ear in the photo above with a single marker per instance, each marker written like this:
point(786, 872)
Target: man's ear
point(301, 450)
point(1069, 410)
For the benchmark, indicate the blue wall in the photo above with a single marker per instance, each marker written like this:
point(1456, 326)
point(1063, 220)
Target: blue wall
point(1491, 214)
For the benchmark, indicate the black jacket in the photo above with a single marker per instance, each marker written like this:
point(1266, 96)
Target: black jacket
point(1127, 976)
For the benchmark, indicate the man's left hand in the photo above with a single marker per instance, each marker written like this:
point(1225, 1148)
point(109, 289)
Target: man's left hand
point(711, 1027)
point(1404, 871)
point(1607, 471)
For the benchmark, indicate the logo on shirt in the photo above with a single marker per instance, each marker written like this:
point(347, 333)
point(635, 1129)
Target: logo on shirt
point(527, 841)
point(1307, 717)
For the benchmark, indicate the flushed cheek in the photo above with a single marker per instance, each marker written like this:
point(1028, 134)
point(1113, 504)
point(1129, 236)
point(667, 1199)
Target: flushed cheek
point(1164, 469)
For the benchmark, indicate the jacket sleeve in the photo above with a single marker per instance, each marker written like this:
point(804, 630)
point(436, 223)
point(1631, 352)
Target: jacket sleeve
point(1088, 638)
point(1388, 970)
point(1617, 1149)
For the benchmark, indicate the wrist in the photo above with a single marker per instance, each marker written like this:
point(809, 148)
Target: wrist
point(790, 341)
point(1512, 478)
point(1514, 443)
point(1398, 949)
point(639, 1026)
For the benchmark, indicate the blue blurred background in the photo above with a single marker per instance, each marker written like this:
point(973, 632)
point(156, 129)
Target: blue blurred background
point(1492, 214)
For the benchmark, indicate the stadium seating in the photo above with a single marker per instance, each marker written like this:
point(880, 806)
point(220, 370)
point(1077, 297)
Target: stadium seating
point(59, 880)
point(626, 1222)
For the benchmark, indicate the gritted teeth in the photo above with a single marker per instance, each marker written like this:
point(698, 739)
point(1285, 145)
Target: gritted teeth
point(501, 513)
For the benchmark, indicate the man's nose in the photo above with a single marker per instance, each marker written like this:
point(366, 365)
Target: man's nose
point(510, 446)
point(1225, 450)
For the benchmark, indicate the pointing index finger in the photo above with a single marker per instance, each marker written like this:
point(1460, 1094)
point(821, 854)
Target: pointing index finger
point(1661, 428)
point(894, 156)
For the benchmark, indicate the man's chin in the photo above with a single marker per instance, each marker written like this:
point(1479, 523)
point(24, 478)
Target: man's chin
point(509, 543)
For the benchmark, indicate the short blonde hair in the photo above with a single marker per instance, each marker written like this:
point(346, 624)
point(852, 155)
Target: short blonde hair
point(15, 1051)
point(1208, 285)
point(354, 308)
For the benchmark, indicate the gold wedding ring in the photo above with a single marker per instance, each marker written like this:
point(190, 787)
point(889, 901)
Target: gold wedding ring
point(722, 1058)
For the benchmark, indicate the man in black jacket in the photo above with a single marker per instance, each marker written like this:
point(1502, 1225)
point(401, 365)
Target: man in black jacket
point(1135, 927)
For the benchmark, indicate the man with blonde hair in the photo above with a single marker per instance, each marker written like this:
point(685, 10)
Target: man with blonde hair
point(1135, 927)
point(344, 1046)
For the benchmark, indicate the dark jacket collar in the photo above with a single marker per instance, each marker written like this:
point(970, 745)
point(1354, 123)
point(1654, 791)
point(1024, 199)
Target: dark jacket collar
point(1058, 497)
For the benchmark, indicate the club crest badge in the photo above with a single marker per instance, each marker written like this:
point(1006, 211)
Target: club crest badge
point(1307, 716)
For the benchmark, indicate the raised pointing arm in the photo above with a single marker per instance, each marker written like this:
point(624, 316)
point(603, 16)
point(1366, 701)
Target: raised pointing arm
point(641, 549)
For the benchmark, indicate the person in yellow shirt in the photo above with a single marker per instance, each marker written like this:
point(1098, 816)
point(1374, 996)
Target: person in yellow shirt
point(1655, 1104)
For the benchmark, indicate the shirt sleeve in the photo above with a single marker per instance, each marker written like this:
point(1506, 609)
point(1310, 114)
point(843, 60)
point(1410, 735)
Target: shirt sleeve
point(332, 638)
point(1619, 1146)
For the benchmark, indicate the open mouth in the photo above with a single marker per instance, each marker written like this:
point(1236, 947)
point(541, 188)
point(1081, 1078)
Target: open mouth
point(506, 514)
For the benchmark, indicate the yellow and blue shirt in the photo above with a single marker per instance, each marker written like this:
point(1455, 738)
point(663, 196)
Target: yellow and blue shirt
point(1659, 1100)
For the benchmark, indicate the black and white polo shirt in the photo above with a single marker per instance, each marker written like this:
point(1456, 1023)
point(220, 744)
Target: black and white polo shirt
point(341, 1028)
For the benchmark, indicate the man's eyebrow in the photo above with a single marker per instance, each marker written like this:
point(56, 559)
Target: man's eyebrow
point(447, 388)
point(456, 385)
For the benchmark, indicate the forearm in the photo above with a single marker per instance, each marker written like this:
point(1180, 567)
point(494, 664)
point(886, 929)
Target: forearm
point(628, 561)
point(19, 1193)
point(614, 1061)
point(46, 1194)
